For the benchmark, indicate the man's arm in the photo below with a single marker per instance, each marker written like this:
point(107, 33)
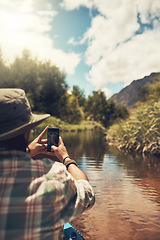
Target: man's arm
point(61, 153)
point(39, 146)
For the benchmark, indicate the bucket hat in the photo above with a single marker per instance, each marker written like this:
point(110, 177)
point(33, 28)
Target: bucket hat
point(15, 113)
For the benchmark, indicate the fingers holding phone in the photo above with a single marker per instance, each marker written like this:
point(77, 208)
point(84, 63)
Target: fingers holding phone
point(55, 144)
point(52, 138)
point(60, 152)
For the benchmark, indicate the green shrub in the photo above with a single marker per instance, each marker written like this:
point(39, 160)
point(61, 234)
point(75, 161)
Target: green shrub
point(141, 131)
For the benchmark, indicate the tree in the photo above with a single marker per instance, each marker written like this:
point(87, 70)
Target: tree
point(53, 86)
point(79, 94)
point(43, 83)
point(102, 110)
point(23, 72)
point(4, 70)
point(115, 112)
point(46, 90)
point(96, 106)
point(69, 109)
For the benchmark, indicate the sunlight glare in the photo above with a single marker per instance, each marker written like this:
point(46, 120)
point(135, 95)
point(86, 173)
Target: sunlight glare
point(16, 23)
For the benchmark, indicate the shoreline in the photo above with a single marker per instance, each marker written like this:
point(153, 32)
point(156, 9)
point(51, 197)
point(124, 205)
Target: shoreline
point(151, 148)
point(67, 127)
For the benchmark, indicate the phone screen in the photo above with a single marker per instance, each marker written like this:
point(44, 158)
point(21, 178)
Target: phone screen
point(52, 138)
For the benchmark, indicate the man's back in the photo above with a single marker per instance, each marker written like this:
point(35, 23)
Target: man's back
point(37, 197)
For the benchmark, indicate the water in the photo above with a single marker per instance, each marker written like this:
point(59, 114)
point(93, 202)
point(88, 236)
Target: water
point(127, 189)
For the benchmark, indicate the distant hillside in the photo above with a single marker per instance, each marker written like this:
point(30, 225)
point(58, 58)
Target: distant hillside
point(130, 95)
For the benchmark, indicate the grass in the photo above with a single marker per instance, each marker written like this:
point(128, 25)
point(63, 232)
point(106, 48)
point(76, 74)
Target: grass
point(140, 132)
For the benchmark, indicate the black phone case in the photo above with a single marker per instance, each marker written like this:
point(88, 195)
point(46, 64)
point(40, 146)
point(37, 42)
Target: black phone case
point(52, 138)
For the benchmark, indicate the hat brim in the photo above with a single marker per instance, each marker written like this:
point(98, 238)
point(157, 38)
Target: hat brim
point(34, 121)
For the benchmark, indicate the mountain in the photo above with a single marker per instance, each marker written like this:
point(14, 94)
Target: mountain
point(130, 95)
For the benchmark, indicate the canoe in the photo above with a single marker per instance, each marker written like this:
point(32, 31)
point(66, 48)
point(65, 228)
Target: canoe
point(71, 233)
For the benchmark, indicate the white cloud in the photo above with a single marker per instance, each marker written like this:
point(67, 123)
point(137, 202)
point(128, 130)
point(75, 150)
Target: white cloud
point(129, 61)
point(107, 92)
point(148, 6)
point(73, 42)
point(24, 27)
point(71, 5)
point(115, 53)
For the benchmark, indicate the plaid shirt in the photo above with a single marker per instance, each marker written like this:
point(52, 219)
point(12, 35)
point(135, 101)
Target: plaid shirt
point(37, 197)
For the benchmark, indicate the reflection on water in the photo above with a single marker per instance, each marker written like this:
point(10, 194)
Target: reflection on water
point(127, 189)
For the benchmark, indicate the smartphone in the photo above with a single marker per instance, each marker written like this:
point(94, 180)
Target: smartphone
point(52, 137)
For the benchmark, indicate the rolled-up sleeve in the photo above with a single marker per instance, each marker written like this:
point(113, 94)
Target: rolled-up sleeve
point(80, 200)
point(77, 195)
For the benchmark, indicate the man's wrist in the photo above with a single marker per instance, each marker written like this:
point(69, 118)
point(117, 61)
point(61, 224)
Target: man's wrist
point(70, 161)
point(65, 159)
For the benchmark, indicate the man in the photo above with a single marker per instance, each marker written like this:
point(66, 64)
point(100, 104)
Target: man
point(36, 196)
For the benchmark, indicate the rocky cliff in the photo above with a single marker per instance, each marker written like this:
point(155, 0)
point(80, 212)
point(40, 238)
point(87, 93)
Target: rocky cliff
point(131, 95)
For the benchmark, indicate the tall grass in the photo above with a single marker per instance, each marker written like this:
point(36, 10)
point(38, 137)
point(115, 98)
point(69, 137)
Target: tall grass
point(140, 132)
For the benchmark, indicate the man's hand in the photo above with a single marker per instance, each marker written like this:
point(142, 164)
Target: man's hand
point(60, 152)
point(39, 145)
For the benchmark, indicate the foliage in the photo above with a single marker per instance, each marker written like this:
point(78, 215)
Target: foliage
point(69, 109)
point(153, 92)
point(65, 126)
point(79, 94)
point(47, 92)
point(3, 72)
point(150, 90)
point(102, 110)
point(141, 131)
point(43, 83)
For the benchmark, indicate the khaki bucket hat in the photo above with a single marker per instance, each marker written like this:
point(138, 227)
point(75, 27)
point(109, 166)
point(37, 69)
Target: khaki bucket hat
point(15, 113)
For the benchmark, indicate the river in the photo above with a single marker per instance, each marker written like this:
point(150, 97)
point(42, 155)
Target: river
point(126, 186)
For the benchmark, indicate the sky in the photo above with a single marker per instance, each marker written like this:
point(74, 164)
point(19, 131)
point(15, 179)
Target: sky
point(99, 44)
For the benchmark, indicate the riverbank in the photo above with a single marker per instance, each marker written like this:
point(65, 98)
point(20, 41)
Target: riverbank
point(140, 132)
point(67, 127)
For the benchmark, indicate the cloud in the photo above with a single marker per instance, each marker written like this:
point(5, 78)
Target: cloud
point(73, 42)
point(123, 40)
point(107, 92)
point(71, 5)
point(148, 9)
point(129, 61)
point(23, 26)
